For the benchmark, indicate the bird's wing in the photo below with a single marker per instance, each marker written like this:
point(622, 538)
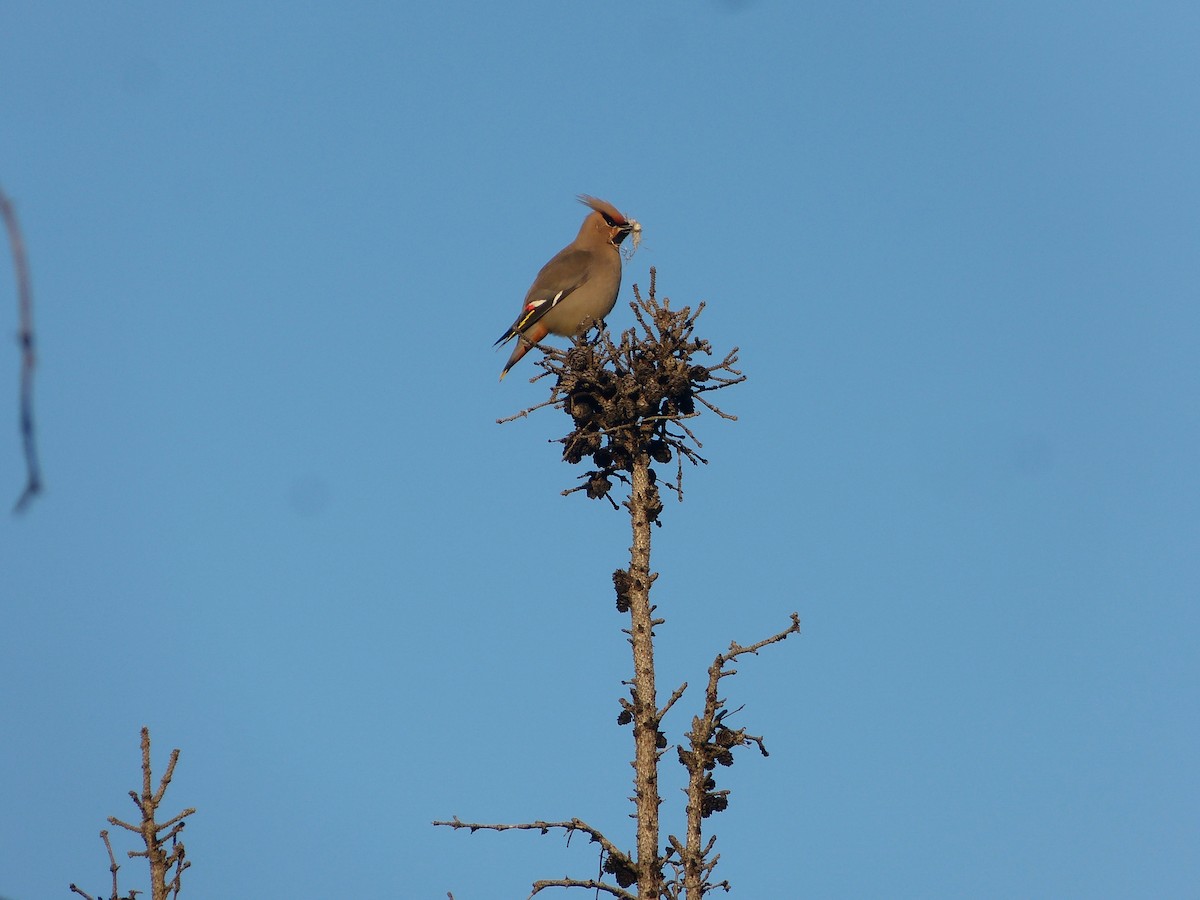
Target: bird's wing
point(557, 280)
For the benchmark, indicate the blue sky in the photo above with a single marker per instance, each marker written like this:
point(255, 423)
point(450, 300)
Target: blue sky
point(272, 245)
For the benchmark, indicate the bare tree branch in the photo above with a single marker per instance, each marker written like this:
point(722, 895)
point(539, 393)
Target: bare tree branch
point(166, 864)
point(570, 826)
point(711, 743)
point(25, 338)
point(591, 884)
point(112, 868)
point(614, 860)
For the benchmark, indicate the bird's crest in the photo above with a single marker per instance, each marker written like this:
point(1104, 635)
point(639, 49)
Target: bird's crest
point(606, 209)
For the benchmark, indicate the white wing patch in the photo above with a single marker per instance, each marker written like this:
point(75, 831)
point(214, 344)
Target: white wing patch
point(553, 301)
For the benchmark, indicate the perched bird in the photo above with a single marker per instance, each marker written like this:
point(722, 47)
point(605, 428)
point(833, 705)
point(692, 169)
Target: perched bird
point(579, 286)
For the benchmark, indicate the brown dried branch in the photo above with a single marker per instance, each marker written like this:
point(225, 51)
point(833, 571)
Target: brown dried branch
point(525, 412)
point(676, 888)
point(678, 692)
point(615, 861)
point(166, 864)
point(570, 826)
point(711, 743)
point(25, 338)
point(112, 868)
point(592, 884)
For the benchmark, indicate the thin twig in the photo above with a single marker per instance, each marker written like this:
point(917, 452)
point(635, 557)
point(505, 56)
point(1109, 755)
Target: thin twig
point(570, 826)
point(674, 699)
point(591, 884)
point(523, 414)
point(736, 649)
point(25, 338)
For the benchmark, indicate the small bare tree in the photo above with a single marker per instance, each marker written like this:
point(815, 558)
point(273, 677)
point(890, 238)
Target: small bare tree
point(164, 850)
point(630, 404)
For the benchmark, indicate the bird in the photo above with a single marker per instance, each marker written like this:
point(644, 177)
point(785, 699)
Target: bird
point(579, 286)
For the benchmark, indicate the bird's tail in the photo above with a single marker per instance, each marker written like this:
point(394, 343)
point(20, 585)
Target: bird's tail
point(525, 343)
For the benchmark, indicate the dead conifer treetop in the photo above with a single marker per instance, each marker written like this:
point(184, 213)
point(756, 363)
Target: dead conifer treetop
point(164, 845)
point(631, 403)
